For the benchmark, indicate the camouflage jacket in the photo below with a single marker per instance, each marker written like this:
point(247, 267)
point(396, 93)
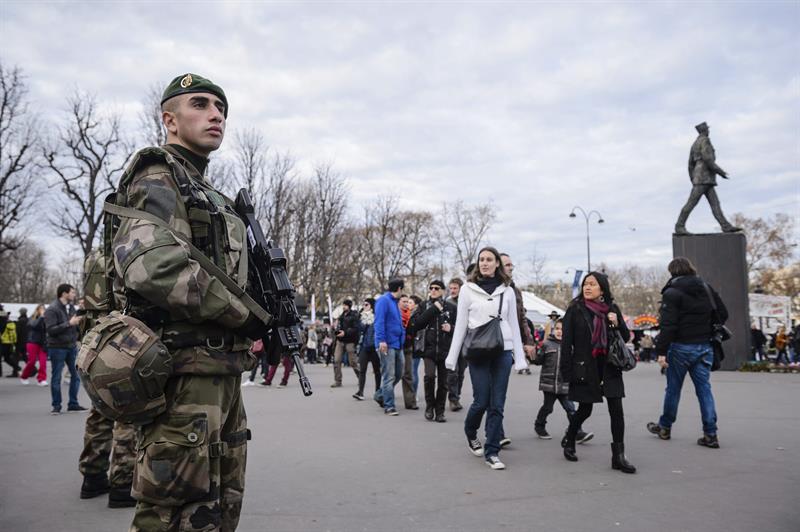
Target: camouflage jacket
point(158, 281)
point(703, 168)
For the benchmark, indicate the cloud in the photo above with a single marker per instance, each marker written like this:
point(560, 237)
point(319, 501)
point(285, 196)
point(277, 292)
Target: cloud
point(538, 107)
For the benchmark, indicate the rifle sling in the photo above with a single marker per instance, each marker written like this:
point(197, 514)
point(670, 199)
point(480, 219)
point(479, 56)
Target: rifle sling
point(196, 254)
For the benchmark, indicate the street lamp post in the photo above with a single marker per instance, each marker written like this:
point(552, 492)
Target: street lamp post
point(588, 246)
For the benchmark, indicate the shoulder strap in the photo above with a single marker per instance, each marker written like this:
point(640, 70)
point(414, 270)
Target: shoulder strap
point(712, 301)
point(196, 254)
point(500, 308)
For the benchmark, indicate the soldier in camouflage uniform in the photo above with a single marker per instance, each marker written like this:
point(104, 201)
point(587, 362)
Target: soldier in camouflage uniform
point(103, 438)
point(703, 171)
point(190, 461)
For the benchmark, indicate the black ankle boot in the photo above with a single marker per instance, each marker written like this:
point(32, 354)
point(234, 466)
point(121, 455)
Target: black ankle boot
point(94, 485)
point(618, 460)
point(568, 443)
point(120, 497)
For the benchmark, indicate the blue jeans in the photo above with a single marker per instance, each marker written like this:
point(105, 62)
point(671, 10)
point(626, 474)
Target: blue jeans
point(415, 373)
point(489, 386)
point(695, 359)
point(391, 372)
point(58, 357)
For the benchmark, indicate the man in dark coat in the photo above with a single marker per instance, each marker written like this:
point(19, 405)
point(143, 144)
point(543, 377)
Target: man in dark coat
point(684, 346)
point(435, 319)
point(346, 339)
point(703, 170)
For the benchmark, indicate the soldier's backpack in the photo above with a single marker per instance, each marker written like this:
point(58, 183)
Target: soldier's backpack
point(124, 369)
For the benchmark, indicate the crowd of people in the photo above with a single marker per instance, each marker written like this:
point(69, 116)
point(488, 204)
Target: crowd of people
point(398, 332)
point(52, 334)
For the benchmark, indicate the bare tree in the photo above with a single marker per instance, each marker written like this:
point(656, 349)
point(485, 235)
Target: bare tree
point(19, 143)
point(86, 160)
point(637, 289)
point(152, 127)
point(464, 229)
point(25, 277)
point(770, 242)
point(537, 263)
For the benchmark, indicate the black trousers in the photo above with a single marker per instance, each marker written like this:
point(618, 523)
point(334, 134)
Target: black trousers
point(547, 407)
point(366, 356)
point(9, 354)
point(435, 384)
point(614, 411)
point(455, 379)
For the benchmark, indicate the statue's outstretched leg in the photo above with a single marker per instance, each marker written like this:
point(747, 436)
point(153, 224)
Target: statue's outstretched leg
point(716, 209)
point(691, 203)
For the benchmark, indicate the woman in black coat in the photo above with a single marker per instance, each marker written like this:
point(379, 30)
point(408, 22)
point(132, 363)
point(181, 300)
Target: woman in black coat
point(587, 327)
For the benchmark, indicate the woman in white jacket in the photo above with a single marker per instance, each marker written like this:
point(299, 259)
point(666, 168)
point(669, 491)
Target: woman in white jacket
point(479, 302)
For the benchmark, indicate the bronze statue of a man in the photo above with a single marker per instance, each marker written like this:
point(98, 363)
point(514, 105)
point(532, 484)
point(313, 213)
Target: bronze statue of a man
point(703, 171)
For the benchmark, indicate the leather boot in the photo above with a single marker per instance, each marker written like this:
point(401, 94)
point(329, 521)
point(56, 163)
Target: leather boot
point(568, 443)
point(120, 497)
point(94, 485)
point(618, 460)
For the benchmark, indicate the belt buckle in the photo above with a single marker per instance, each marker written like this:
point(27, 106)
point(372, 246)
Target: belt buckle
point(217, 347)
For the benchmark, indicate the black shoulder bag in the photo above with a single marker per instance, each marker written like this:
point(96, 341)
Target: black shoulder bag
point(485, 343)
point(719, 333)
point(619, 355)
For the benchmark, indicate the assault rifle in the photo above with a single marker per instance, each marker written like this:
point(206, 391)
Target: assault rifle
point(272, 288)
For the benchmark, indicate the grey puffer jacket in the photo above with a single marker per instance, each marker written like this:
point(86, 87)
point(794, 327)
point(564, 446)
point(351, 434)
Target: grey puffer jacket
point(550, 378)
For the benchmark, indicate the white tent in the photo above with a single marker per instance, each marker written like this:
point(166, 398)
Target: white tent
point(538, 309)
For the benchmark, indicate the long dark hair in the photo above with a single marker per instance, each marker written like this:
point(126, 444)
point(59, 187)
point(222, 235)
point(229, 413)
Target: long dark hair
point(602, 280)
point(500, 271)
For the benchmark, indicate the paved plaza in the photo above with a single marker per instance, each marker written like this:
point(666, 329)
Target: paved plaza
point(329, 462)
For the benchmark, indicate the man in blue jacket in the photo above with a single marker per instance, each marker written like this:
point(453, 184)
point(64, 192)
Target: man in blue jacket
point(389, 338)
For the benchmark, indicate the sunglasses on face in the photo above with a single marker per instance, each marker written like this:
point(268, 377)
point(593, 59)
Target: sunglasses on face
point(435, 288)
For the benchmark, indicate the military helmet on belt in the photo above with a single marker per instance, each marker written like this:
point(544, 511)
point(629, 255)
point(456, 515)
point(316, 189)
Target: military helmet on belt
point(124, 368)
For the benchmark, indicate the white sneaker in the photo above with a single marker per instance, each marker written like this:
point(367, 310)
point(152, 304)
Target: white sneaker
point(475, 446)
point(494, 462)
point(248, 383)
point(24, 382)
point(43, 383)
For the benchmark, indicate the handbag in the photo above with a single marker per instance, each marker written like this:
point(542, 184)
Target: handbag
point(485, 343)
point(719, 333)
point(619, 355)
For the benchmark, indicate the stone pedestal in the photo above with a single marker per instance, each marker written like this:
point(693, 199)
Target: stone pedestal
point(720, 259)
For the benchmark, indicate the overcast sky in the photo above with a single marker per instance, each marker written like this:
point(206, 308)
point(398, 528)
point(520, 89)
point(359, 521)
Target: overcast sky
point(536, 106)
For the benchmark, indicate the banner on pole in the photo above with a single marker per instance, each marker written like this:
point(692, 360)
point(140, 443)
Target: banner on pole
point(313, 308)
point(576, 283)
point(330, 311)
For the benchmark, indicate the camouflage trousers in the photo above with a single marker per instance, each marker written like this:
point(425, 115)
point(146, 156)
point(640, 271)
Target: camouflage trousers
point(190, 461)
point(103, 438)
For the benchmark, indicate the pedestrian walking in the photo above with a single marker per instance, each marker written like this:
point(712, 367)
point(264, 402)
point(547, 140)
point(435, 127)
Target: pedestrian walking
point(35, 347)
point(687, 321)
point(553, 384)
point(591, 377)
point(487, 295)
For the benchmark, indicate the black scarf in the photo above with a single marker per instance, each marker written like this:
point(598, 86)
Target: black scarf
point(489, 284)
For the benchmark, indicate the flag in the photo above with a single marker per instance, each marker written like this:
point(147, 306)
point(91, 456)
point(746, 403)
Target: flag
point(330, 310)
point(313, 308)
point(576, 283)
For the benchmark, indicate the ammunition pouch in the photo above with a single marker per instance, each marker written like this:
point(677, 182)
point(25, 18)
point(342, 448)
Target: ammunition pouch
point(124, 368)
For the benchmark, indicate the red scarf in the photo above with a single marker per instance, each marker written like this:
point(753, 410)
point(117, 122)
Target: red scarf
point(405, 316)
point(599, 333)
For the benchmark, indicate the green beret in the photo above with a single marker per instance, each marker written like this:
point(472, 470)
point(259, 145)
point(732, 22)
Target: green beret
point(189, 83)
